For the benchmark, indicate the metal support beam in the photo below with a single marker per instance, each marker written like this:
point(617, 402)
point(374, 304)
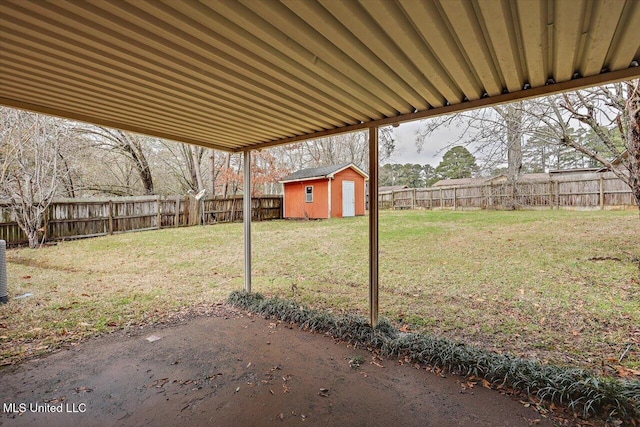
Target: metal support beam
point(373, 226)
point(246, 215)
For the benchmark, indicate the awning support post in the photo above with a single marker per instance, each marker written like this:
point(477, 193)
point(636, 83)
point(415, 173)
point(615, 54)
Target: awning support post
point(246, 219)
point(373, 226)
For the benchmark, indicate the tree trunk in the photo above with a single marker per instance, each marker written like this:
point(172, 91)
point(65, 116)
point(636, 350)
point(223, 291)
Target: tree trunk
point(212, 171)
point(133, 146)
point(513, 119)
point(33, 238)
point(514, 143)
point(195, 158)
point(225, 191)
point(145, 175)
point(633, 142)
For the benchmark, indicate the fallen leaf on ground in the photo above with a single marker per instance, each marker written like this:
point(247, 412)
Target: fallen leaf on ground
point(627, 372)
point(160, 383)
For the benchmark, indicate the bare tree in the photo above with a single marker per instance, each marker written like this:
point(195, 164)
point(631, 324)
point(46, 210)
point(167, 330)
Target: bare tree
point(633, 139)
point(494, 134)
point(336, 149)
point(183, 163)
point(29, 166)
point(129, 145)
point(612, 115)
point(599, 123)
point(266, 171)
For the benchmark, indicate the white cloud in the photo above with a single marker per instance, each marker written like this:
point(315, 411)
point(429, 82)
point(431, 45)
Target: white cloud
point(432, 150)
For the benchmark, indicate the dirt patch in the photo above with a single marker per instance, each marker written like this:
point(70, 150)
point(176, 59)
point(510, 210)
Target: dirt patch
point(228, 369)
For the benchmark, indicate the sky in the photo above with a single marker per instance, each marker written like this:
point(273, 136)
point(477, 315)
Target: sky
point(432, 150)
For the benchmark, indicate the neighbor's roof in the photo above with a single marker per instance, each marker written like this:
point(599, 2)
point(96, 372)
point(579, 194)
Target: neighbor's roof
point(572, 171)
point(322, 172)
point(237, 75)
point(464, 181)
point(385, 188)
point(534, 177)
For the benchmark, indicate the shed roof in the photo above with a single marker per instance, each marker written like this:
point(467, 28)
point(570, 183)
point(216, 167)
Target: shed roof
point(322, 172)
point(238, 75)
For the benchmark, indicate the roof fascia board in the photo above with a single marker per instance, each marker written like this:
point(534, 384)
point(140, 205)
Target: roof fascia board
point(352, 166)
point(311, 178)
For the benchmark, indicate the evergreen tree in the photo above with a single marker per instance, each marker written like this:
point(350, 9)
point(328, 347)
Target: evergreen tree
point(458, 162)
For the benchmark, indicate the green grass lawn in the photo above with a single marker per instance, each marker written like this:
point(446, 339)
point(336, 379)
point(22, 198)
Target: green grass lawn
point(557, 286)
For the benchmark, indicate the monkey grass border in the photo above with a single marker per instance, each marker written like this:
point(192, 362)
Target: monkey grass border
point(578, 389)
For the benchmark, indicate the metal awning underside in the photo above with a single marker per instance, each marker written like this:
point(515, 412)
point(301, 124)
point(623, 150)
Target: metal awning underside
point(237, 75)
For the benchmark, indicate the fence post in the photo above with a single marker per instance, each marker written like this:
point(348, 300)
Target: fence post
point(159, 215)
point(393, 199)
point(176, 213)
point(431, 198)
point(557, 194)
point(601, 192)
point(110, 216)
point(185, 212)
point(492, 198)
point(441, 199)
point(413, 198)
point(455, 201)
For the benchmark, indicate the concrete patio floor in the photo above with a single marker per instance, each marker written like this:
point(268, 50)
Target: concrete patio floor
point(234, 369)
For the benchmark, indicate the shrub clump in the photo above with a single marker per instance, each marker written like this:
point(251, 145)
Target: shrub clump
point(579, 389)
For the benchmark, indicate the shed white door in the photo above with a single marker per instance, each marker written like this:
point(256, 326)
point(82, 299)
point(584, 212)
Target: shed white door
point(348, 198)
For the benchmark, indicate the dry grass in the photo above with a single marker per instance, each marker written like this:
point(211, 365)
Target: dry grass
point(561, 287)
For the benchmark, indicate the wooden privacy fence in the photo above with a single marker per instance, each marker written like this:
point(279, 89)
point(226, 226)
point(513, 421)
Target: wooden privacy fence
point(79, 218)
point(606, 191)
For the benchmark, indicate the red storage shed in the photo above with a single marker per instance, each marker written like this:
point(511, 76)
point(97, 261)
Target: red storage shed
point(326, 192)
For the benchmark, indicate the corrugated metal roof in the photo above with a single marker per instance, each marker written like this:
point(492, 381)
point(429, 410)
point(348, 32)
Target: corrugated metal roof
point(321, 172)
point(235, 74)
